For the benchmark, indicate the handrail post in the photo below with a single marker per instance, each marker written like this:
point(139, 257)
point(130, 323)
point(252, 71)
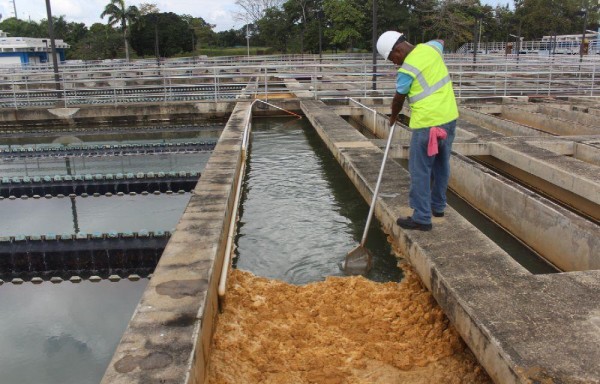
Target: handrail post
point(64, 89)
point(215, 83)
point(266, 86)
point(550, 78)
point(14, 91)
point(505, 76)
point(593, 79)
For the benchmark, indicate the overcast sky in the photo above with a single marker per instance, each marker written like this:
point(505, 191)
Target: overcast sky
point(218, 12)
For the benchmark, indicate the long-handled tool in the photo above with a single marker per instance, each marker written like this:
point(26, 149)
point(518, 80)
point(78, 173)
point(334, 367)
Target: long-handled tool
point(359, 260)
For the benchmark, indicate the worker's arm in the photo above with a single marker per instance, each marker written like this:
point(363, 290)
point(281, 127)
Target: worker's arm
point(403, 84)
point(397, 103)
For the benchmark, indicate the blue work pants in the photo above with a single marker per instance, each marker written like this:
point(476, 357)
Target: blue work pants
point(429, 175)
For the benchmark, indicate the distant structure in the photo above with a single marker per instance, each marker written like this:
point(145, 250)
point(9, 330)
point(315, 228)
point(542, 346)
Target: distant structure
point(548, 45)
point(28, 50)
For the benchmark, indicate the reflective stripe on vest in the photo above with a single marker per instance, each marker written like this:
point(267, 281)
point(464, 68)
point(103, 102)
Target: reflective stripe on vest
point(427, 89)
point(431, 96)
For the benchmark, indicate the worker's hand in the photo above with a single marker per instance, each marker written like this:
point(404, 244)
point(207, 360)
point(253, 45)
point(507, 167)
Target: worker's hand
point(392, 120)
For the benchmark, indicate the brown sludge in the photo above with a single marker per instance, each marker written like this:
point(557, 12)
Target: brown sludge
point(343, 330)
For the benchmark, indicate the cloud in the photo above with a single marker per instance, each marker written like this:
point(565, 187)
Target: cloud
point(88, 12)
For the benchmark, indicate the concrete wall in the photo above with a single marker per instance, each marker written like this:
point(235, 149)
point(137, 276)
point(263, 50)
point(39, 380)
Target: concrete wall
point(113, 114)
point(562, 237)
point(168, 338)
point(504, 127)
point(549, 124)
point(588, 153)
point(574, 117)
point(522, 328)
point(569, 174)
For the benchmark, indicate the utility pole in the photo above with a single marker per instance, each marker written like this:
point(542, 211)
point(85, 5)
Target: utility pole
point(156, 48)
point(519, 43)
point(15, 8)
point(475, 39)
point(585, 17)
point(374, 45)
point(156, 51)
point(53, 47)
point(248, 40)
point(320, 17)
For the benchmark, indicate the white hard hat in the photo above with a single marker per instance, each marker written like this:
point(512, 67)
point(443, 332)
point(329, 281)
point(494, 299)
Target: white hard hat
point(386, 42)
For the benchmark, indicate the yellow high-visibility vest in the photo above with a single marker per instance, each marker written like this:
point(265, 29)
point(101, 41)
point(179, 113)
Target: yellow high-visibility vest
point(431, 96)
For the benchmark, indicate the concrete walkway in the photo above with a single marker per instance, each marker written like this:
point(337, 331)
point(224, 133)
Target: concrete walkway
point(523, 328)
point(168, 338)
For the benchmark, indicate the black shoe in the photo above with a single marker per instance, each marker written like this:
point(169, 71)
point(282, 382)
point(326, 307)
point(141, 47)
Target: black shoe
point(408, 223)
point(437, 214)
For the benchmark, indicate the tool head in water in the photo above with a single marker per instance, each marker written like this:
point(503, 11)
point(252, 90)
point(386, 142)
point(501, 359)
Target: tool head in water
point(358, 261)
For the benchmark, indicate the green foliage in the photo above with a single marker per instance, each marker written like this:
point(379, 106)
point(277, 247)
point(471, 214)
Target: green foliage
point(274, 29)
point(203, 34)
point(542, 17)
point(173, 32)
point(16, 27)
point(231, 38)
point(295, 26)
point(347, 21)
point(118, 13)
point(100, 42)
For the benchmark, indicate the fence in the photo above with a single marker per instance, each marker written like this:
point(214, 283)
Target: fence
point(231, 78)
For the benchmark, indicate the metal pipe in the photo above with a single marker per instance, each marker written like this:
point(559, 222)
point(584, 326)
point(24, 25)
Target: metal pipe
point(53, 47)
point(234, 213)
point(231, 232)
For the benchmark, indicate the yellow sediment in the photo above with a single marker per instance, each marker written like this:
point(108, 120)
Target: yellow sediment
point(342, 330)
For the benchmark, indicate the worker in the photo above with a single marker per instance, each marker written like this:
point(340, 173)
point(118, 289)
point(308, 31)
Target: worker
point(424, 78)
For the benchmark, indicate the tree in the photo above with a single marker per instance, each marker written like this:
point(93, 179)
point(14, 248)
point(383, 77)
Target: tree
point(148, 8)
point(348, 21)
point(303, 18)
point(453, 21)
point(15, 27)
point(100, 42)
point(231, 37)
point(174, 35)
point(274, 29)
point(254, 10)
point(201, 31)
point(536, 20)
point(118, 13)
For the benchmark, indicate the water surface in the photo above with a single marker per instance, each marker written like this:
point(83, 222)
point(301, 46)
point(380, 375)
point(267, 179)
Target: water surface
point(63, 333)
point(91, 214)
point(300, 213)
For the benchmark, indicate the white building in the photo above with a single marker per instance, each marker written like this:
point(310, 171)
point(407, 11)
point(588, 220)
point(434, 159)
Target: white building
point(28, 50)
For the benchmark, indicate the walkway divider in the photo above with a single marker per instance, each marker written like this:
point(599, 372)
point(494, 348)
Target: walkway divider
point(522, 328)
point(66, 185)
point(168, 338)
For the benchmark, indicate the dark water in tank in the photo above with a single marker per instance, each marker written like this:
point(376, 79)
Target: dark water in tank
point(67, 333)
point(63, 333)
point(91, 214)
point(300, 213)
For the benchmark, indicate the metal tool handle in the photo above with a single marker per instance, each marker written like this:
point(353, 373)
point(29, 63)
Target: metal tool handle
point(372, 208)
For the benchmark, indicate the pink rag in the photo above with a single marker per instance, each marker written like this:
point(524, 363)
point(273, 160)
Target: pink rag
point(435, 133)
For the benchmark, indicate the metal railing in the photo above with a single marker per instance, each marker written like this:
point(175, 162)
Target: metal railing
point(536, 47)
point(228, 79)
